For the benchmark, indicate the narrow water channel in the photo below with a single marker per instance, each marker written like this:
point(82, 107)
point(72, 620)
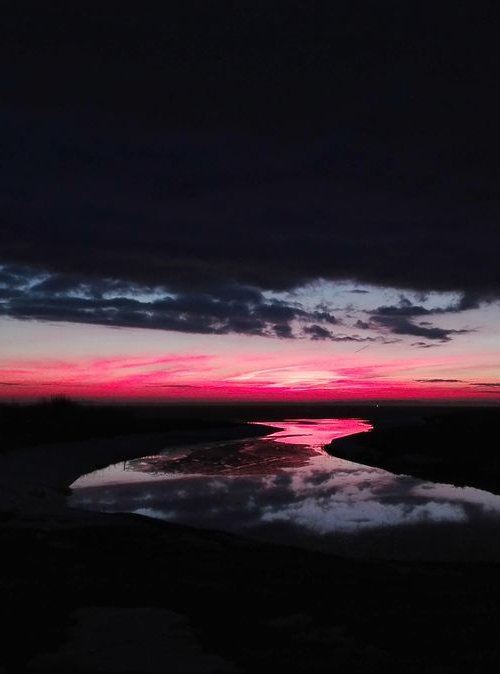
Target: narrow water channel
point(285, 488)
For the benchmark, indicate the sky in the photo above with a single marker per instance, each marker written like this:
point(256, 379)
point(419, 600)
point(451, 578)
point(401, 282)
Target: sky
point(250, 201)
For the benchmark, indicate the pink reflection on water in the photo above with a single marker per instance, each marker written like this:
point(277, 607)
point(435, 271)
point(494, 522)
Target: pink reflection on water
point(315, 433)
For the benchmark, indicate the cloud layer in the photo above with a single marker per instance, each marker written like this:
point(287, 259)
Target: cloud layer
point(30, 294)
point(222, 310)
point(208, 147)
point(203, 211)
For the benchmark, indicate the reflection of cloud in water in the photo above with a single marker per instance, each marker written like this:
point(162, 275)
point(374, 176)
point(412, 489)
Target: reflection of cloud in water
point(318, 499)
point(155, 514)
point(320, 516)
point(317, 477)
point(217, 486)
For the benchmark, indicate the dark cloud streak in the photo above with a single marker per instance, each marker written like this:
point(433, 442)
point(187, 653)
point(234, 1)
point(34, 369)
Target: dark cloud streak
point(225, 309)
point(400, 325)
point(440, 381)
point(400, 319)
point(487, 384)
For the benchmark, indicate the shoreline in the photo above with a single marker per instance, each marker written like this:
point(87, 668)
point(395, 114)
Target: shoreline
point(434, 454)
point(35, 481)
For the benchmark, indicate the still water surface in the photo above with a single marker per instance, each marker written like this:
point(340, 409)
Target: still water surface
point(285, 488)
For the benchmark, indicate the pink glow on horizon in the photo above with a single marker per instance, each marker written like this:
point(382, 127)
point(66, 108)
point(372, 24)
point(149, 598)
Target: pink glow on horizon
point(248, 377)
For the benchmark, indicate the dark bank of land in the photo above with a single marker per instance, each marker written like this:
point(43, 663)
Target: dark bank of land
point(61, 420)
point(459, 446)
point(88, 592)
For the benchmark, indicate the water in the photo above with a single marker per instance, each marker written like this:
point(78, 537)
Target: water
point(285, 488)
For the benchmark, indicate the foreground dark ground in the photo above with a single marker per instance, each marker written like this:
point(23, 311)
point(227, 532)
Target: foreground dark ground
point(256, 606)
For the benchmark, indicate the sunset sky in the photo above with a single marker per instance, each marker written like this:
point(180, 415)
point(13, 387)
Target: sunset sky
point(229, 203)
point(359, 356)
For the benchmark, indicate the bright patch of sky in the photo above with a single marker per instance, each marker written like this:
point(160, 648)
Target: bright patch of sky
point(351, 297)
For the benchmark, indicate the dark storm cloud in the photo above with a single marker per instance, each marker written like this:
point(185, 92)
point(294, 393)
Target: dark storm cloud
point(318, 332)
point(7, 279)
point(400, 319)
point(400, 325)
point(13, 277)
point(137, 148)
point(404, 309)
point(283, 330)
point(59, 284)
point(228, 309)
point(187, 212)
point(467, 301)
point(222, 310)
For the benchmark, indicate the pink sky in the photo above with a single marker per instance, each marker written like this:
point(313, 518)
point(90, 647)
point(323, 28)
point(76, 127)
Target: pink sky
point(253, 376)
point(42, 358)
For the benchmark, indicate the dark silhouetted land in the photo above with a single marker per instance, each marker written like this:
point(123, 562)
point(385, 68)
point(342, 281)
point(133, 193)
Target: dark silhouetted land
point(458, 446)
